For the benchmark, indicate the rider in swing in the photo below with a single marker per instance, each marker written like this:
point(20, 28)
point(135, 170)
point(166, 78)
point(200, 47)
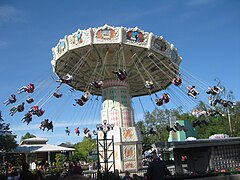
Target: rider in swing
point(12, 99)
point(121, 74)
point(177, 81)
point(65, 79)
point(29, 88)
point(214, 90)
point(192, 92)
point(77, 131)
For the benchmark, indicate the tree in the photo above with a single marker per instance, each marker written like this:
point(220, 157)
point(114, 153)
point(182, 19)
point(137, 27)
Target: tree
point(27, 135)
point(60, 159)
point(83, 148)
point(156, 121)
point(7, 139)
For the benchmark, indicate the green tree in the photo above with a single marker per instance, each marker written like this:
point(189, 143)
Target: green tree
point(60, 158)
point(83, 148)
point(7, 139)
point(156, 120)
point(27, 135)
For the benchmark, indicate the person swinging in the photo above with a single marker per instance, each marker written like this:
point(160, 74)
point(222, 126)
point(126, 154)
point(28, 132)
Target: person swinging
point(97, 84)
point(192, 92)
point(149, 85)
point(121, 74)
point(214, 90)
point(50, 126)
point(19, 108)
point(67, 131)
point(12, 99)
point(29, 88)
point(29, 100)
point(77, 131)
point(27, 117)
point(44, 124)
point(57, 95)
point(84, 98)
point(36, 111)
point(65, 79)
point(177, 81)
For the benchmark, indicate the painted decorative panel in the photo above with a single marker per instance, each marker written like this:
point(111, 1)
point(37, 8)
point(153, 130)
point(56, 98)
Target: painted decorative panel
point(129, 152)
point(130, 165)
point(106, 34)
point(60, 49)
point(79, 38)
point(135, 36)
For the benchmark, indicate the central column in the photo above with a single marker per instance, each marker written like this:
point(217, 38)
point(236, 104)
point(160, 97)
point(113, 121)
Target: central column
point(117, 110)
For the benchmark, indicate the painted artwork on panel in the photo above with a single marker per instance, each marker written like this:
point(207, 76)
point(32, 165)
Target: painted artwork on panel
point(129, 152)
point(128, 134)
point(61, 46)
point(174, 56)
point(130, 165)
point(106, 34)
point(135, 36)
point(77, 38)
point(160, 44)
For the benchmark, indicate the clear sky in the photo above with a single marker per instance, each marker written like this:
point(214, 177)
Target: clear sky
point(205, 32)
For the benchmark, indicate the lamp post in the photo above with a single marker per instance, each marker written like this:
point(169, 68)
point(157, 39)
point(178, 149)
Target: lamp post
point(105, 143)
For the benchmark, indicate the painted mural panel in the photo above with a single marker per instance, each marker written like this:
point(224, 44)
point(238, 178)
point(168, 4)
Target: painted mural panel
point(129, 152)
point(135, 36)
point(130, 165)
point(106, 34)
point(79, 38)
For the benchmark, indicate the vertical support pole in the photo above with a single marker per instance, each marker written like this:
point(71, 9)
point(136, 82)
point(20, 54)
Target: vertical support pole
point(49, 157)
point(229, 121)
point(26, 158)
point(113, 155)
point(98, 163)
point(105, 151)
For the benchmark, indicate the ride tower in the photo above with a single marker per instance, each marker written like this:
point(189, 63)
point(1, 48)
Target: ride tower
point(101, 55)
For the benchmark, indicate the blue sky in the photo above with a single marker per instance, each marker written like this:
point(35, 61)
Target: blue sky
point(205, 32)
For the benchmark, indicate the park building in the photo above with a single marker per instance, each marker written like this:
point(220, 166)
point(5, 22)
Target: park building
point(37, 149)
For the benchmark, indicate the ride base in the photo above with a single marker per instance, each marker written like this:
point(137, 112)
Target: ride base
point(117, 110)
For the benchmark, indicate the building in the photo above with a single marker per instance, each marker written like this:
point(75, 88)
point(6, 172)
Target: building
point(37, 149)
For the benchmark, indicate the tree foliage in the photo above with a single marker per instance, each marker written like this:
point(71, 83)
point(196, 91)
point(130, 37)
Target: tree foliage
point(7, 139)
point(27, 135)
point(157, 119)
point(83, 148)
point(60, 159)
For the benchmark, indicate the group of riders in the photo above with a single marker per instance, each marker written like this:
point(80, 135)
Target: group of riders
point(121, 75)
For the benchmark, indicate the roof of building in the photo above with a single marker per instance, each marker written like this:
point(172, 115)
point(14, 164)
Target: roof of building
point(34, 140)
point(199, 143)
point(40, 148)
point(36, 144)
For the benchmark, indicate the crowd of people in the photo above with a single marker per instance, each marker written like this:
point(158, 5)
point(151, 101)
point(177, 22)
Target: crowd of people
point(42, 170)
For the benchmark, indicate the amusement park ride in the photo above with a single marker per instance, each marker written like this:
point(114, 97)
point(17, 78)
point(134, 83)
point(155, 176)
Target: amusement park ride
point(118, 64)
point(122, 63)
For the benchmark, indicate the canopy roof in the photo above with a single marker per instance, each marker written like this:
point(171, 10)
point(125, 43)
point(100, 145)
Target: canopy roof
point(35, 145)
point(35, 140)
point(40, 148)
point(92, 54)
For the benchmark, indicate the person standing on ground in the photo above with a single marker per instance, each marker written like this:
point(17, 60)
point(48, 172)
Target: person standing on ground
point(26, 174)
point(127, 176)
point(157, 170)
point(77, 169)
